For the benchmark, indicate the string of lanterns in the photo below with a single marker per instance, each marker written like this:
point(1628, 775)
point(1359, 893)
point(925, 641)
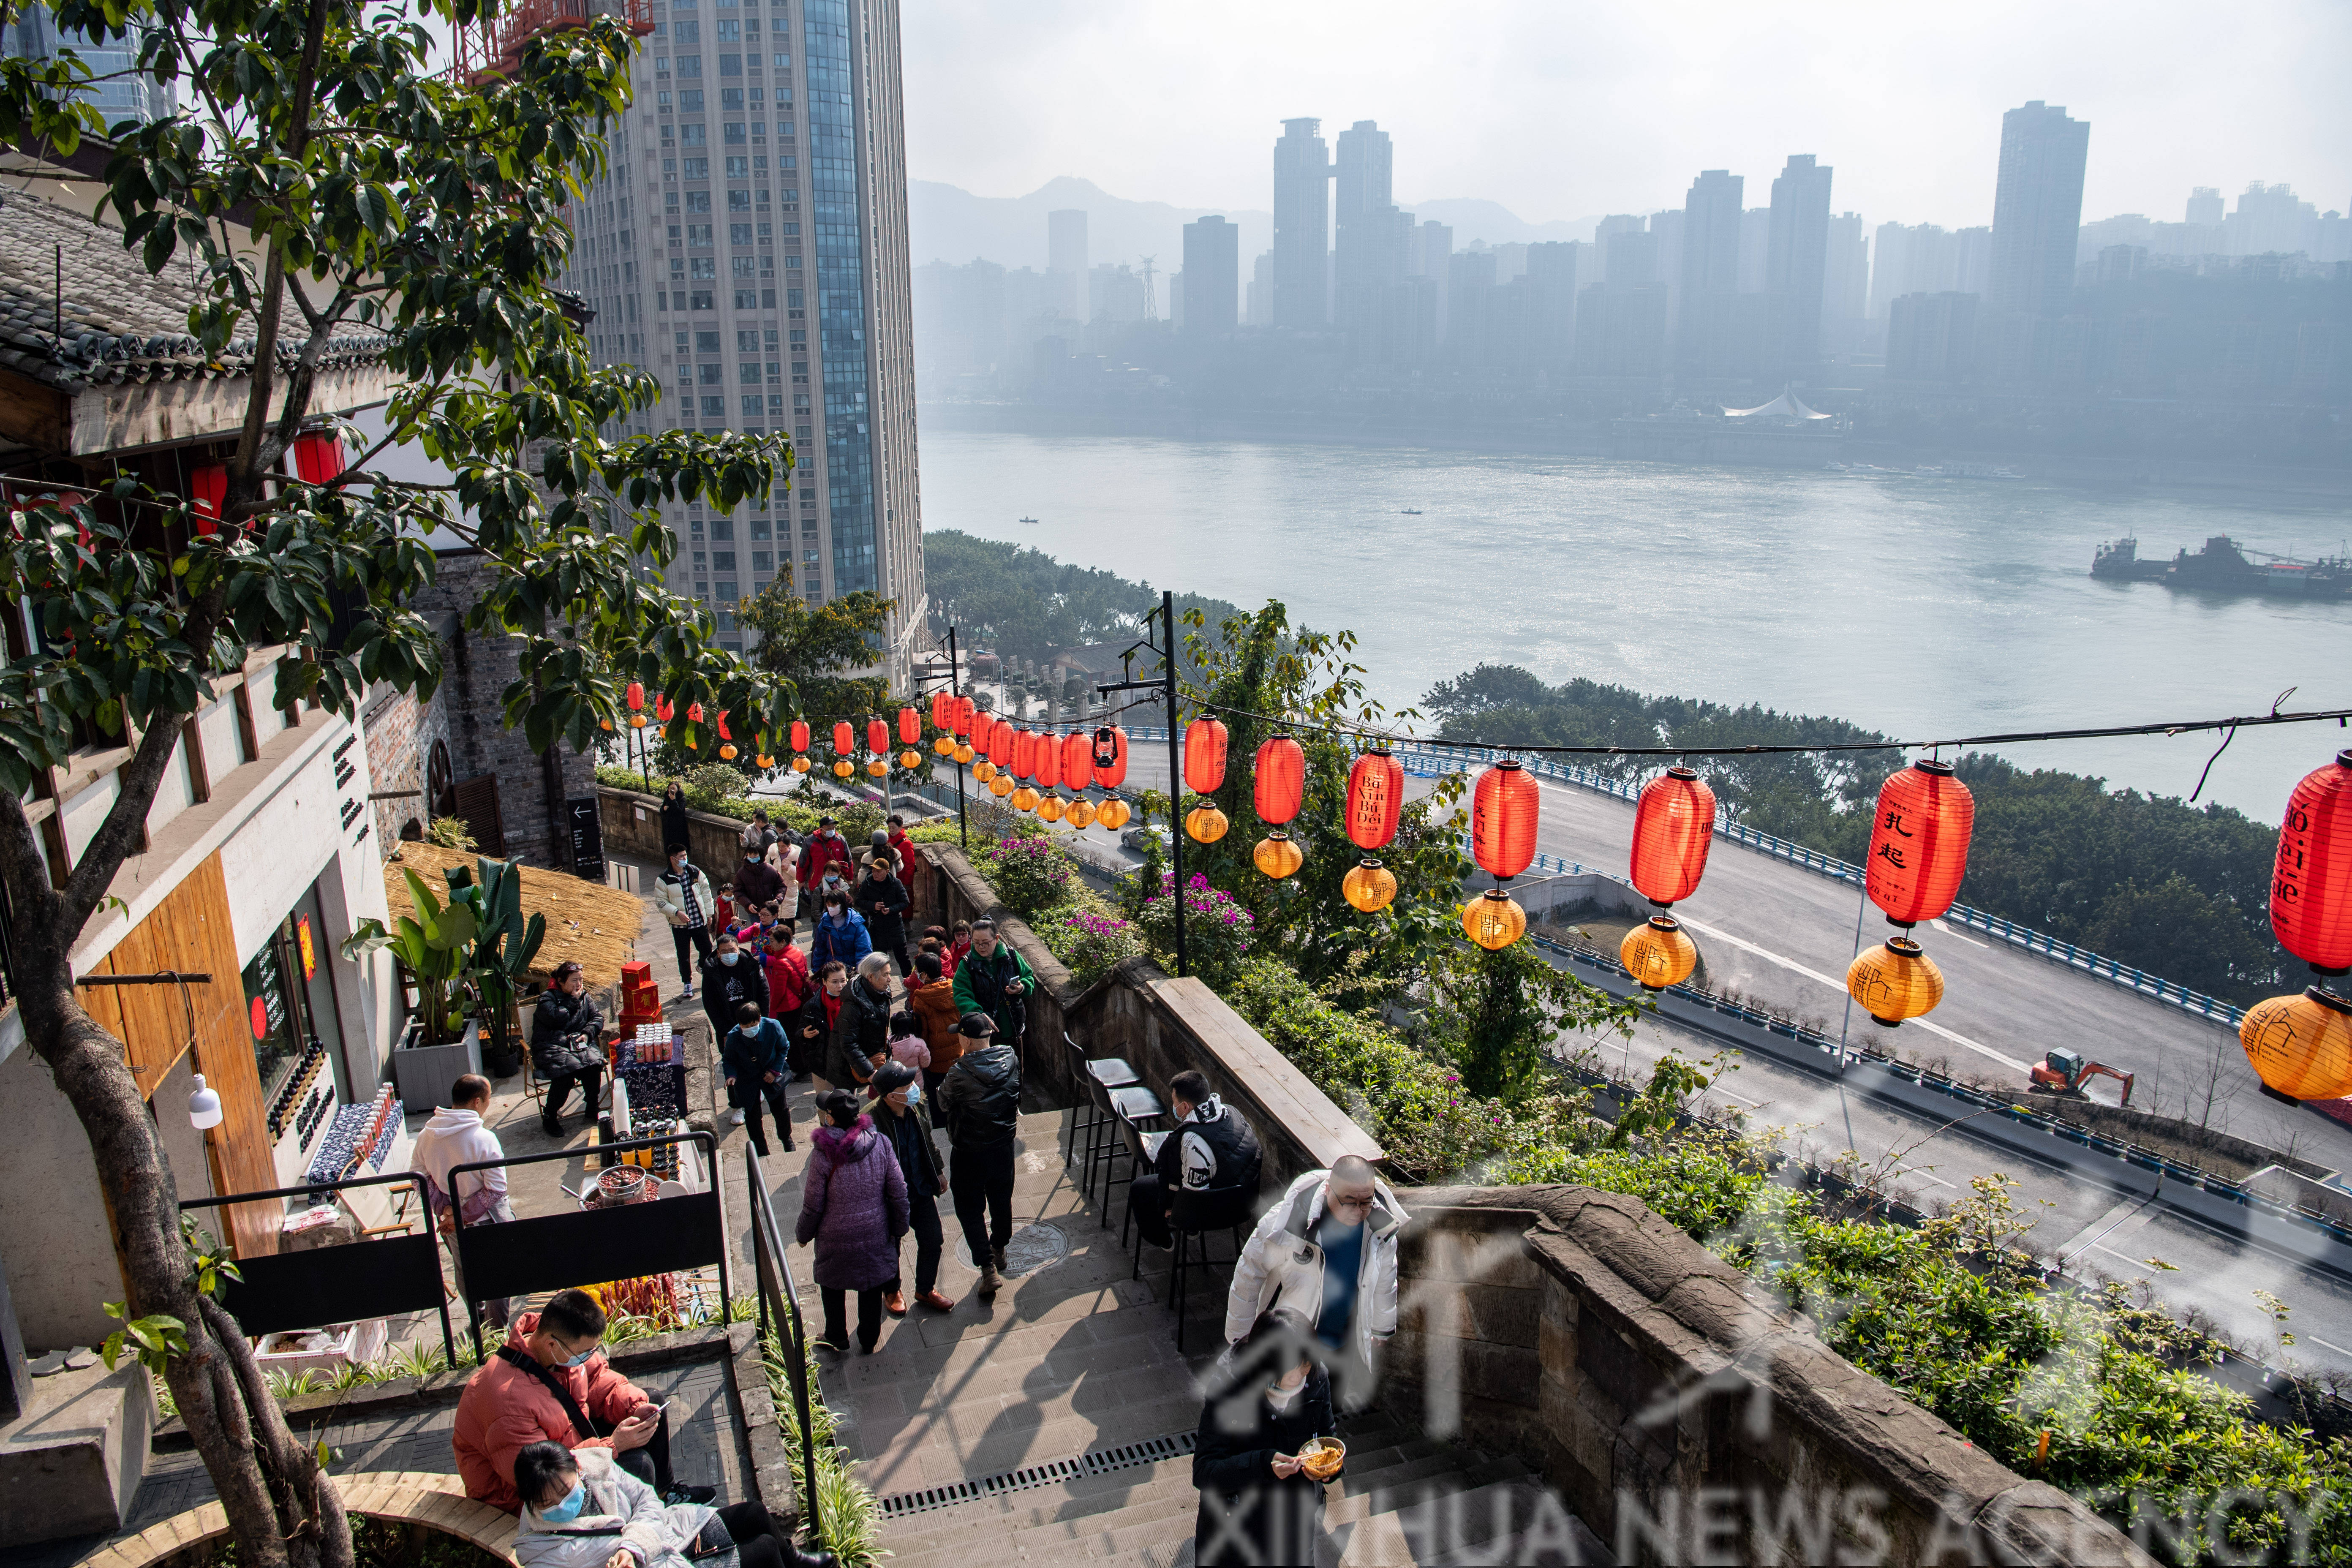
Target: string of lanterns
point(2300, 1046)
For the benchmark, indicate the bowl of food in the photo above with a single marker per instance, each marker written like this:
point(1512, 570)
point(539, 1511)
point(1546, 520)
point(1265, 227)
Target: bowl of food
point(1322, 1457)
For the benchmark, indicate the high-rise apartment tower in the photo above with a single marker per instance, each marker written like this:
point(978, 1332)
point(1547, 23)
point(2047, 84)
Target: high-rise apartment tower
point(1212, 276)
point(2037, 209)
point(1302, 226)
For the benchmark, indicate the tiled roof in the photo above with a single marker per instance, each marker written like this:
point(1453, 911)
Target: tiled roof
point(122, 323)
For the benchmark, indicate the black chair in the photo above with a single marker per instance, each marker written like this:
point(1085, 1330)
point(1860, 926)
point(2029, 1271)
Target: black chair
point(1133, 1111)
point(1196, 1214)
point(1090, 1079)
point(1148, 1161)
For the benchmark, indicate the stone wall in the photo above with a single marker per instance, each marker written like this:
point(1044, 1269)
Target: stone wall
point(401, 732)
point(1682, 1413)
point(633, 831)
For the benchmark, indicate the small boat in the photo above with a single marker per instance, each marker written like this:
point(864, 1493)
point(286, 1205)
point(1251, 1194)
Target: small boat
point(1029, 519)
point(1409, 511)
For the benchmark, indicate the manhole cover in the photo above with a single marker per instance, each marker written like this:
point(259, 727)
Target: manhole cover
point(1033, 1247)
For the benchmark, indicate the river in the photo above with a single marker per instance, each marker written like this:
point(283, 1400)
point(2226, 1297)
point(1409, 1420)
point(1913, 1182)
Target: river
point(1916, 606)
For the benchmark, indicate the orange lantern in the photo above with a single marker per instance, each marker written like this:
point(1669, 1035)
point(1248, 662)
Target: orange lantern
point(1113, 814)
point(1001, 785)
point(1110, 756)
point(1894, 981)
point(910, 759)
point(637, 695)
point(944, 746)
point(879, 767)
point(1077, 760)
point(1050, 809)
point(1277, 856)
point(1659, 953)
point(984, 771)
point(1025, 799)
point(1081, 814)
point(726, 751)
point(1919, 845)
point(1205, 756)
point(2301, 1046)
point(1280, 782)
point(764, 762)
point(1368, 886)
point(800, 764)
point(844, 768)
point(1494, 920)
point(1205, 824)
point(964, 753)
point(1375, 799)
point(1674, 826)
point(636, 721)
point(2311, 886)
point(1503, 816)
point(607, 723)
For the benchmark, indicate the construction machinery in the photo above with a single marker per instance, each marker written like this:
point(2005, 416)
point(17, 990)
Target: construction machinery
point(2065, 1073)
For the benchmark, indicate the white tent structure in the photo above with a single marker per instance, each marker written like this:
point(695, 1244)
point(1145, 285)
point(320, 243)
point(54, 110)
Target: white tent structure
point(1784, 407)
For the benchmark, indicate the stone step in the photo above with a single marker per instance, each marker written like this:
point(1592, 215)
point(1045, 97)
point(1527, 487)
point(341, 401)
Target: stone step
point(1459, 1526)
point(1380, 1488)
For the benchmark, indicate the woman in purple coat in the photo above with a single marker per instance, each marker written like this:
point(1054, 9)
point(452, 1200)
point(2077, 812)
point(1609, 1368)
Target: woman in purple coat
point(854, 1206)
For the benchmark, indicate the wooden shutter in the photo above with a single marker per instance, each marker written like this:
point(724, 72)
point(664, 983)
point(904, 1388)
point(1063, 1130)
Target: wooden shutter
point(477, 807)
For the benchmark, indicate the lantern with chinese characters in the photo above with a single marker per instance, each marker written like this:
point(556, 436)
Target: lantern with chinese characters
point(1658, 954)
point(1494, 920)
point(1001, 785)
point(1082, 813)
point(1205, 824)
point(1369, 886)
point(1025, 799)
point(1503, 816)
point(1000, 744)
point(1051, 809)
point(910, 726)
point(967, 714)
point(1673, 825)
point(1205, 756)
point(1894, 981)
point(1077, 760)
point(1049, 760)
point(1113, 814)
point(2301, 1046)
point(877, 736)
point(800, 735)
point(1375, 797)
point(1025, 753)
point(943, 708)
point(1919, 844)
point(984, 771)
point(1278, 781)
point(845, 738)
point(910, 759)
point(1110, 756)
point(1278, 855)
point(2311, 884)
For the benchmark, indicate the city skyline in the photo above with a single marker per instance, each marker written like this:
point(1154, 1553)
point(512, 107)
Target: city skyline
point(1906, 107)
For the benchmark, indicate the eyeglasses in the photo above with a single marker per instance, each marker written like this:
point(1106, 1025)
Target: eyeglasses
point(1339, 1201)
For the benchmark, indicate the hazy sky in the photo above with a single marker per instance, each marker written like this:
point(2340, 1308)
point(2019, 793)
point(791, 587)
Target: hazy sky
point(1560, 110)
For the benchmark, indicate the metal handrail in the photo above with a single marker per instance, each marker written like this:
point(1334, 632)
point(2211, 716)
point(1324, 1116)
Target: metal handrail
point(780, 1309)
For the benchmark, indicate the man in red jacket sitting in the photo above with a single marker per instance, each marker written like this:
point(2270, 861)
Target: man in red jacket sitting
point(551, 1383)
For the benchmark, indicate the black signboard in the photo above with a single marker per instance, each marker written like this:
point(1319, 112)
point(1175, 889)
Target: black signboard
point(587, 838)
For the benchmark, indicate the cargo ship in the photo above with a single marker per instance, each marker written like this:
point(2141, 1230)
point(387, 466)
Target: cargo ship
point(2226, 566)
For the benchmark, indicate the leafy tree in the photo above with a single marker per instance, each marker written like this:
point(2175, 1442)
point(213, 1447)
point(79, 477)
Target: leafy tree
point(326, 177)
point(813, 647)
point(1026, 603)
point(1497, 1013)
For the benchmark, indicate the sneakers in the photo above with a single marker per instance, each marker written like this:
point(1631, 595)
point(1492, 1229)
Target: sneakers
point(551, 1126)
point(678, 1494)
point(736, 1116)
point(996, 1256)
point(936, 1301)
point(827, 1343)
point(894, 1303)
point(988, 1280)
point(685, 994)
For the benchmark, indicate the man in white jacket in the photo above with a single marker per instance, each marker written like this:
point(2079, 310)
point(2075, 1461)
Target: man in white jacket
point(456, 1136)
point(1326, 1250)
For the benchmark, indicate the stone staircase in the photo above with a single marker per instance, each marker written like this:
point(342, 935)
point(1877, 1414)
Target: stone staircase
point(1053, 1425)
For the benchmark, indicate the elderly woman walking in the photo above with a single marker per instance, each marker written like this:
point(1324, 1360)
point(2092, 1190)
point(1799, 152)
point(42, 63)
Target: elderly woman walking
point(854, 1206)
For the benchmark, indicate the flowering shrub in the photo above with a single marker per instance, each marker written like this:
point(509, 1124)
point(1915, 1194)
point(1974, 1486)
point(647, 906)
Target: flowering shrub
point(1218, 932)
point(1029, 874)
point(1091, 945)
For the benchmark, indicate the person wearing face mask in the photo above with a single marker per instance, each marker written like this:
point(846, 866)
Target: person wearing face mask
point(826, 857)
point(567, 1045)
point(551, 1383)
point(1328, 1252)
point(731, 978)
point(840, 936)
point(813, 1038)
point(580, 1510)
point(1258, 1505)
point(683, 895)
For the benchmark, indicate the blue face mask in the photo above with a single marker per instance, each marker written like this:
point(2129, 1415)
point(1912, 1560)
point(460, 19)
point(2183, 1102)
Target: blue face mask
point(569, 1508)
point(729, 957)
point(581, 1359)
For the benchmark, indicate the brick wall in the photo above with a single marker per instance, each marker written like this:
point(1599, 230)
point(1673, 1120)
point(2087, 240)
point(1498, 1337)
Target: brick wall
point(400, 735)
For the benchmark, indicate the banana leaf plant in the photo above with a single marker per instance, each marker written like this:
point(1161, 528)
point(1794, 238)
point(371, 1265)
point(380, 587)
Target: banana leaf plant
point(436, 946)
point(504, 948)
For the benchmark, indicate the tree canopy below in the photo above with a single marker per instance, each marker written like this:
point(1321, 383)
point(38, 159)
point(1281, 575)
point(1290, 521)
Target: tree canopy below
point(1023, 601)
point(2177, 889)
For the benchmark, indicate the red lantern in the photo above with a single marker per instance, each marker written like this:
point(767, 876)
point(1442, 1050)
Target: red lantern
point(877, 736)
point(1673, 827)
point(1049, 761)
point(800, 735)
point(2310, 888)
point(1375, 796)
point(943, 709)
point(1000, 742)
point(664, 709)
point(1077, 760)
point(1503, 815)
point(966, 712)
point(1110, 756)
point(1025, 753)
point(318, 458)
point(1919, 843)
point(910, 726)
point(1205, 756)
point(637, 695)
point(694, 713)
point(844, 737)
point(1281, 780)
point(722, 726)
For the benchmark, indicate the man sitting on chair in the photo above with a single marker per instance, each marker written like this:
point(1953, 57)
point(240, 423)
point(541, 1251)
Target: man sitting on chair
point(1210, 1146)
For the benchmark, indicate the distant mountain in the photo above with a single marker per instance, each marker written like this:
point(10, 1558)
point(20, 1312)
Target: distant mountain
point(1471, 218)
point(946, 223)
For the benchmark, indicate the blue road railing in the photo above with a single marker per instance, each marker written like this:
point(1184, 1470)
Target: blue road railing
point(1424, 761)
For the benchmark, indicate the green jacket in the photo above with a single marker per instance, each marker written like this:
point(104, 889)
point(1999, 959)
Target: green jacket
point(980, 985)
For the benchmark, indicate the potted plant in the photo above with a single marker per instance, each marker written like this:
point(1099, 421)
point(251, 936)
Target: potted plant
point(434, 946)
point(505, 947)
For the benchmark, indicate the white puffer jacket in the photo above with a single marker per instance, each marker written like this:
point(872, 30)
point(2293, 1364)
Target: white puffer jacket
point(621, 1511)
point(1281, 1265)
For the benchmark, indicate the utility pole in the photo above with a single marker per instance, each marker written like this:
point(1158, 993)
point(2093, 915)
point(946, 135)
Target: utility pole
point(955, 690)
point(1167, 684)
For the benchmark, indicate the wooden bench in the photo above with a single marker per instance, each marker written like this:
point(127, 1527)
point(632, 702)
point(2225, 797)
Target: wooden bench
point(421, 1498)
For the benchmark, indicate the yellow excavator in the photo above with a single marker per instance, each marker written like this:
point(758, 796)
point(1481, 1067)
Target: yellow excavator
point(2065, 1073)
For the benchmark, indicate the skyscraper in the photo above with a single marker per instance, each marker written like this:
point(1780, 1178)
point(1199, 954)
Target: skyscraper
point(1065, 259)
point(2037, 208)
point(1845, 286)
point(1302, 226)
point(1711, 224)
point(117, 89)
point(1212, 276)
point(1796, 255)
point(811, 338)
point(1371, 237)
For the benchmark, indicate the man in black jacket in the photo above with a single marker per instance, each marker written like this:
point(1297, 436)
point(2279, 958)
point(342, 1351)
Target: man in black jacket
point(905, 1121)
point(980, 1105)
point(1211, 1148)
point(882, 899)
point(567, 1045)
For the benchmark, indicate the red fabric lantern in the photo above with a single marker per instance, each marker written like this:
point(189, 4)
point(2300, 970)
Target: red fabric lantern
point(1000, 743)
point(1049, 760)
point(910, 726)
point(966, 711)
point(943, 709)
point(800, 735)
point(1280, 782)
point(1375, 796)
point(1205, 756)
point(722, 726)
point(877, 736)
point(1919, 843)
point(1025, 753)
point(694, 713)
point(2310, 888)
point(1503, 815)
point(1077, 760)
point(637, 695)
point(1110, 756)
point(664, 709)
point(1674, 826)
point(844, 737)
point(318, 458)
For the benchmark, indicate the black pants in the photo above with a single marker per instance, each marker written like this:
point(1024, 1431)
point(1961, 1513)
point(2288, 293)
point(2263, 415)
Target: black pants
point(982, 1182)
point(923, 1219)
point(650, 1464)
point(778, 1095)
point(758, 1543)
point(697, 937)
point(558, 1092)
point(869, 1316)
point(1147, 1200)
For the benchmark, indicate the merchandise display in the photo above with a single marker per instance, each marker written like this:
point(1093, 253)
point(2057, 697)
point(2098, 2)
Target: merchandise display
point(361, 1139)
